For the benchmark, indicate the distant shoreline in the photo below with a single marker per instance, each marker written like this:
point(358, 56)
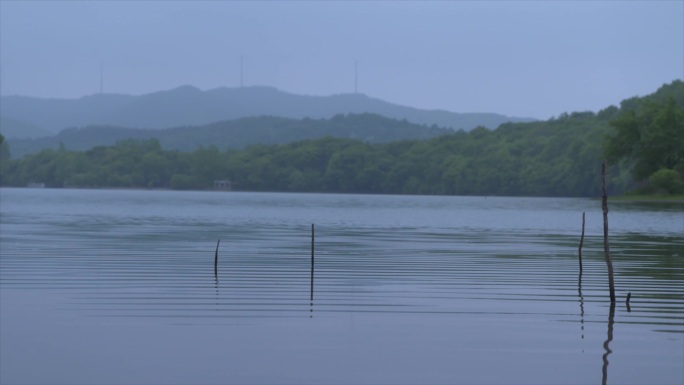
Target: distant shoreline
point(677, 199)
point(648, 199)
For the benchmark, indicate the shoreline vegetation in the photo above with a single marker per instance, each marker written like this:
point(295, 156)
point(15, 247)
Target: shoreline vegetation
point(631, 198)
point(625, 198)
point(642, 141)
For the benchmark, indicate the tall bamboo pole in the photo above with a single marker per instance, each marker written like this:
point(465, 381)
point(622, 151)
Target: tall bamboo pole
point(606, 247)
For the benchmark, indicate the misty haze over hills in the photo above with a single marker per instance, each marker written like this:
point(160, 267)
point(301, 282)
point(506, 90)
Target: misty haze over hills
point(189, 106)
point(236, 134)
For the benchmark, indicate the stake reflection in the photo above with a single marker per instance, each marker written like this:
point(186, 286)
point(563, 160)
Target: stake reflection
point(606, 344)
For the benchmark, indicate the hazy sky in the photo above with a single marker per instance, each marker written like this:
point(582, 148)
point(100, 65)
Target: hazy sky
point(533, 59)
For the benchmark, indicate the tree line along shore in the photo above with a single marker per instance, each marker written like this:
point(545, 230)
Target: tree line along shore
point(643, 141)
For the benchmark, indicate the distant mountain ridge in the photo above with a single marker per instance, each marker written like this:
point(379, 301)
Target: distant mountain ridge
point(190, 106)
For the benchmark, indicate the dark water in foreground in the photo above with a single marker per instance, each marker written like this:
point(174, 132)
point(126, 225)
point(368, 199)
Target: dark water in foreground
point(118, 287)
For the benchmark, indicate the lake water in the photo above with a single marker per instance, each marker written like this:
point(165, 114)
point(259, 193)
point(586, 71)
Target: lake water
point(118, 287)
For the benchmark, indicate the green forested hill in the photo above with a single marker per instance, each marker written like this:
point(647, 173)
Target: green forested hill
point(558, 157)
point(647, 137)
point(236, 133)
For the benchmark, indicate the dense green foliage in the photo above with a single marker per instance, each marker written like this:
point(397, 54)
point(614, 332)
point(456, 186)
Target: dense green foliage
point(4, 156)
point(558, 157)
point(237, 133)
point(666, 181)
point(555, 158)
point(649, 136)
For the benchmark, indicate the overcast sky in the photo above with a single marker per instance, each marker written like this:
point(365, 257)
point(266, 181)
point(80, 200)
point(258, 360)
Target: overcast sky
point(528, 59)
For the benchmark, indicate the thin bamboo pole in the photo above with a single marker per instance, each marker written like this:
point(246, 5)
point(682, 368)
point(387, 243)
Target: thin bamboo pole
point(216, 259)
point(606, 247)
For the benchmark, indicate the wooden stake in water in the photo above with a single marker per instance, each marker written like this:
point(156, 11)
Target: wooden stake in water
point(580, 245)
point(606, 248)
point(312, 262)
point(216, 259)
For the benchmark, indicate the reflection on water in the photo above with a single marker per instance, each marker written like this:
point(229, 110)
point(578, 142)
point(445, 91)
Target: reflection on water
point(579, 278)
point(581, 302)
point(415, 280)
point(606, 344)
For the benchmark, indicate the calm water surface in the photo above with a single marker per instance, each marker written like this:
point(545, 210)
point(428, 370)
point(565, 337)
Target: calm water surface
point(118, 287)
